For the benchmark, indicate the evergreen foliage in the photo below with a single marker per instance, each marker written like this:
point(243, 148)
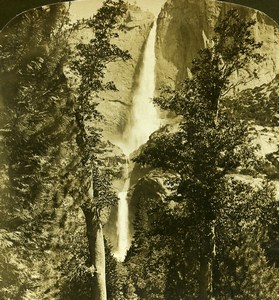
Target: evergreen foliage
point(35, 127)
point(50, 168)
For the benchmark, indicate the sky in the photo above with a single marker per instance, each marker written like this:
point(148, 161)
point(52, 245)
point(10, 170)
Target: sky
point(85, 8)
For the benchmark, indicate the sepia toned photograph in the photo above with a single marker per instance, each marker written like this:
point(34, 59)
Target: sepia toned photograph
point(139, 150)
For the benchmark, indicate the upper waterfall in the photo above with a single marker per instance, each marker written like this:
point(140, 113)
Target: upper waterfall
point(144, 118)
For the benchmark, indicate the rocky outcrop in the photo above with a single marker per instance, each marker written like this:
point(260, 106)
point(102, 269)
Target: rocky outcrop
point(185, 25)
point(146, 195)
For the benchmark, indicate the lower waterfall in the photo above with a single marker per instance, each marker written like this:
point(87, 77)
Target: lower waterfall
point(144, 120)
point(123, 235)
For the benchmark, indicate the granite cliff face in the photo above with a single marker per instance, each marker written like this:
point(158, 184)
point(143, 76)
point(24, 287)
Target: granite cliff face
point(270, 7)
point(185, 25)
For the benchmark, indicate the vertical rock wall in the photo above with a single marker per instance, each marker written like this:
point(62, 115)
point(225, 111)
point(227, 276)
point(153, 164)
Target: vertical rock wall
point(185, 25)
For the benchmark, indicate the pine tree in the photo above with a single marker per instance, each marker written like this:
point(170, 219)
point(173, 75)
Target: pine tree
point(51, 171)
point(34, 108)
point(94, 193)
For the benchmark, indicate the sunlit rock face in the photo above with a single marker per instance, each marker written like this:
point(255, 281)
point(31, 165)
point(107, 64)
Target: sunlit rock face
point(270, 7)
point(185, 25)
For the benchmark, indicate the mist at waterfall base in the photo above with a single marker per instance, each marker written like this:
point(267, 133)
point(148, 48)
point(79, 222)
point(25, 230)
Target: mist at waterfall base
point(144, 120)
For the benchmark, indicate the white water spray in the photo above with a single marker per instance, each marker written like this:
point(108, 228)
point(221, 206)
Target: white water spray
point(123, 219)
point(144, 120)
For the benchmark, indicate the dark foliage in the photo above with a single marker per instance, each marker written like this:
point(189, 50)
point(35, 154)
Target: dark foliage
point(208, 217)
point(49, 154)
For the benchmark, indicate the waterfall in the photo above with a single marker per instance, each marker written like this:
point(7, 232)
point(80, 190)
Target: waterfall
point(144, 119)
point(123, 235)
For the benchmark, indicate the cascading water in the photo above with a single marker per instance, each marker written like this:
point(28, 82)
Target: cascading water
point(144, 120)
point(123, 219)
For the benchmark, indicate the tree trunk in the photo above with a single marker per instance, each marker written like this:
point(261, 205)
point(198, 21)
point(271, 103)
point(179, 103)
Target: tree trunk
point(96, 247)
point(206, 263)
